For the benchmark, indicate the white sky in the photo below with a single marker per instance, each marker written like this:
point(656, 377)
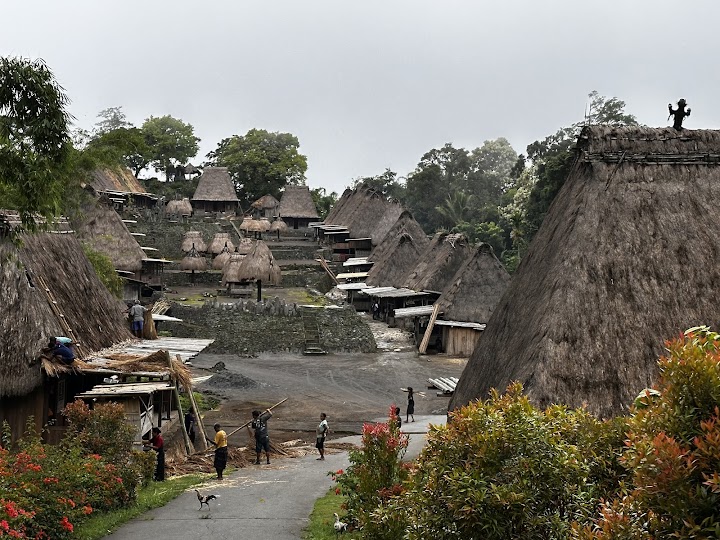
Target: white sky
point(372, 84)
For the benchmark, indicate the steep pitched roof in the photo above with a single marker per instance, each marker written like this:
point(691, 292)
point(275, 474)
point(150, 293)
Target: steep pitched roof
point(401, 257)
point(445, 254)
point(215, 184)
point(296, 202)
point(120, 179)
point(404, 224)
point(627, 257)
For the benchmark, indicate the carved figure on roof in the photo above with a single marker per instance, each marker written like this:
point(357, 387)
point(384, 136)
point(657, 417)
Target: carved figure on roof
point(678, 114)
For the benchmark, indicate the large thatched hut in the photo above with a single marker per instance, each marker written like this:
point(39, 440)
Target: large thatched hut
point(219, 242)
point(443, 257)
point(468, 301)
point(47, 277)
point(627, 257)
point(215, 192)
point(122, 187)
point(400, 258)
point(405, 224)
point(193, 239)
point(297, 207)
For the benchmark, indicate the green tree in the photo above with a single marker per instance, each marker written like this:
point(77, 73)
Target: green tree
point(386, 183)
point(124, 145)
point(323, 201)
point(261, 162)
point(111, 119)
point(34, 139)
point(490, 171)
point(456, 207)
point(171, 141)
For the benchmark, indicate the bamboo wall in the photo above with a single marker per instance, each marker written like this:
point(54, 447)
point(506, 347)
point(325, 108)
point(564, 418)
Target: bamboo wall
point(459, 341)
point(16, 411)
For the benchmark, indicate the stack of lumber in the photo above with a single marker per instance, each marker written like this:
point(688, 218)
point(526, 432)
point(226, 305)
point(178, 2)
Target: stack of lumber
point(446, 385)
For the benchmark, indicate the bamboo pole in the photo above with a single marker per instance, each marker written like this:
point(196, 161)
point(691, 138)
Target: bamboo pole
point(186, 438)
point(198, 420)
point(233, 432)
point(429, 329)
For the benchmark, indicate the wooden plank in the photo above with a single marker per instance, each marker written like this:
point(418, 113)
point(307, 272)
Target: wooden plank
point(428, 330)
point(441, 385)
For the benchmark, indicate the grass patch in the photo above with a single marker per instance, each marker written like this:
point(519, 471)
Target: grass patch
point(155, 495)
point(303, 296)
point(322, 519)
point(205, 402)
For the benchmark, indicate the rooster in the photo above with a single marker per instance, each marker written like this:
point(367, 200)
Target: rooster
point(340, 527)
point(205, 499)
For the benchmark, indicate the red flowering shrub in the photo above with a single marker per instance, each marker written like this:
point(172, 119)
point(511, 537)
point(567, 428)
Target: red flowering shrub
point(375, 474)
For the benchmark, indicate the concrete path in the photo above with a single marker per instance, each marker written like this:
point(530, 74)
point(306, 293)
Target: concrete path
point(263, 502)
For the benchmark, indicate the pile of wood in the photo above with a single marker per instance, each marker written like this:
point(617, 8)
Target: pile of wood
point(446, 385)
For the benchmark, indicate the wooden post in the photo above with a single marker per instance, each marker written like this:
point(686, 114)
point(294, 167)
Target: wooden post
point(259, 288)
point(429, 329)
point(198, 420)
point(186, 438)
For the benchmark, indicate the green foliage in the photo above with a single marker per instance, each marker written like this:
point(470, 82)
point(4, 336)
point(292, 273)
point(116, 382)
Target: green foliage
point(386, 183)
point(504, 469)
point(171, 190)
point(171, 142)
point(105, 270)
point(125, 146)
point(673, 451)
point(205, 402)
point(34, 139)
point(323, 201)
point(320, 526)
point(261, 162)
point(375, 474)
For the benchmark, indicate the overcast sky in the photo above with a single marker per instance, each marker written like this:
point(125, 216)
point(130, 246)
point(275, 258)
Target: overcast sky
point(371, 84)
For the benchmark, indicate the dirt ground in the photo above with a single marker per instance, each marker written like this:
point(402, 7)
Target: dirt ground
point(350, 388)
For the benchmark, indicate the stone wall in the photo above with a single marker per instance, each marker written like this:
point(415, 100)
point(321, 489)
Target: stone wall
point(249, 327)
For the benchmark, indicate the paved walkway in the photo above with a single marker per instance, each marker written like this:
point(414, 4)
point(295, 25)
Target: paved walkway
point(263, 502)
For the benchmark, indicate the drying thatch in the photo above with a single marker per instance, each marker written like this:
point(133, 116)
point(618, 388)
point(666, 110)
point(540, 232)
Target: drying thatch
point(101, 228)
point(278, 225)
point(445, 254)
point(193, 238)
point(219, 241)
point(256, 225)
point(94, 315)
point(297, 202)
point(476, 288)
point(400, 259)
point(215, 184)
point(119, 179)
point(258, 265)
point(179, 207)
point(404, 224)
point(232, 267)
point(626, 258)
point(193, 261)
point(245, 246)
point(266, 202)
point(222, 258)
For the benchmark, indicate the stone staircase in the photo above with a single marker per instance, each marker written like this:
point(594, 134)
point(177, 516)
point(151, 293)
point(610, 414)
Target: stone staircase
point(312, 332)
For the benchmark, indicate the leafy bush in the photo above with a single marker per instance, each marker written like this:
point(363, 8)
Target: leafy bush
point(105, 271)
point(504, 469)
point(673, 451)
point(375, 473)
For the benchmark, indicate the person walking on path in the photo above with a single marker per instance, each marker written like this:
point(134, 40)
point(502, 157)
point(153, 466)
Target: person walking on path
point(322, 431)
point(221, 450)
point(410, 412)
point(137, 314)
point(262, 438)
point(157, 444)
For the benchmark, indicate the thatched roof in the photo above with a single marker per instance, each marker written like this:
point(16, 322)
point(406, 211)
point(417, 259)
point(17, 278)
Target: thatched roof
point(297, 202)
point(103, 230)
point(215, 184)
point(256, 225)
point(404, 224)
point(400, 259)
point(627, 257)
point(219, 241)
point(221, 260)
point(266, 202)
point(337, 208)
point(443, 257)
point(193, 261)
point(116, 180)
point(279, 225)
point(193, 238)
point(259, 264)
point(191, 169)
point(476, 288)
point(366, 213)
point(179, 207)
point(91, 311)
point(232, 264)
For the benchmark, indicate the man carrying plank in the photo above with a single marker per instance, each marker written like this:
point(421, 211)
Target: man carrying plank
point(262, 438)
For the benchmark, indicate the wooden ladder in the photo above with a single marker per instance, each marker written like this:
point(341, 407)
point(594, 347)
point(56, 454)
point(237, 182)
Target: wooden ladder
point(60, 316)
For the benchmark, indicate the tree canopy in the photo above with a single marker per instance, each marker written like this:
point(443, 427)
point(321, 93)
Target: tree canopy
point(34, 139)
point(171, 141)
point(261, 162)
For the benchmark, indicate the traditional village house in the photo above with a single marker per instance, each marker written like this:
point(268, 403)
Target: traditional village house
point(265, 207)
point(179, 208)
point(122, 188)
point(215, 192)
point(257, 266)
point(297, 208)
point(626, 258)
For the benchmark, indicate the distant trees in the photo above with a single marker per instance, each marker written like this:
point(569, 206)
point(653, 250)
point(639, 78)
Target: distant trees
point(35, 146)
point(261, 162)
point(386, 183)
point(323, 201)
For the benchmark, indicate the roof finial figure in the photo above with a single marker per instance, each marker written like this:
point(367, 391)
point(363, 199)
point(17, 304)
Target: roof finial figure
point(679, 114)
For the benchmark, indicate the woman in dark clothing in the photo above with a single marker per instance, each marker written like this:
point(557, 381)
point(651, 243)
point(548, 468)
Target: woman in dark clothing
point(410, 406)
point(157, 444)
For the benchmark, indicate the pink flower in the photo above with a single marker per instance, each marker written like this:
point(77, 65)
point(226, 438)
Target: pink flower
point(65, 523)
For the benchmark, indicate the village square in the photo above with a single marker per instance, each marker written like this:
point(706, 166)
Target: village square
point(204, 337)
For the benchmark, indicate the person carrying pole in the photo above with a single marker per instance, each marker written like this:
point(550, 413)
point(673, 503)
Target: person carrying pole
point(262, 438)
